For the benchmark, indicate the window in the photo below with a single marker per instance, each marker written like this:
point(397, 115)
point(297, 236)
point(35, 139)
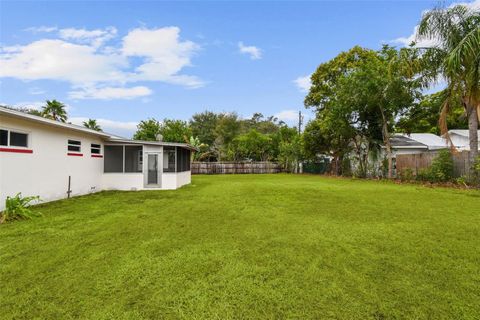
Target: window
point(183, 160)
point(74, 145)
point(95, 149)
point(18, 139)
point(13, 138)
point(132, 158)
point(3, 137)
point(168, 159)
point(113, 159)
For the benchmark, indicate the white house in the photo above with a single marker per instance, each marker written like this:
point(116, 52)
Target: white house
point(416, 143)
point(53, 160)
point(460, 138)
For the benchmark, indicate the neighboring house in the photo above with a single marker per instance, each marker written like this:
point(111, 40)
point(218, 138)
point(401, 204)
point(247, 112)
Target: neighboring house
point(52, 159)
point(416, 143)
point(460, 138)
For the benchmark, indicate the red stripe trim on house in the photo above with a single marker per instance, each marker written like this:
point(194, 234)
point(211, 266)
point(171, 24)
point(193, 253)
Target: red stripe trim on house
point(75, 154)
point(16, 150)
point(97, 156)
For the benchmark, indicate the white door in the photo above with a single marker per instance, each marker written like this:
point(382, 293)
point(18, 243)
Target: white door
point(153, 178)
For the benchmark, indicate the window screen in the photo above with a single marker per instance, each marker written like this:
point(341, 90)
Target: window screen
point(168, 159)
point(3, 137)
point(74, 145)
point(113, 159)
point(96, 148)
point(183, 160)
point(132, 159)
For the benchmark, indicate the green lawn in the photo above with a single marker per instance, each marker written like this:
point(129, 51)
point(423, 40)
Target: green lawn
point(248, 246)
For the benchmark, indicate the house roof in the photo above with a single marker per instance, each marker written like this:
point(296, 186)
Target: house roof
point(31, 117)
point(431, 140)
point(400, 141)
point(153, 143)
point(461, 132)
point(104, 135)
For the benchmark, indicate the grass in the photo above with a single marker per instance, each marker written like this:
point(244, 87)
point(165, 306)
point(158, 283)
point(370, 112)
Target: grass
point(263, 246)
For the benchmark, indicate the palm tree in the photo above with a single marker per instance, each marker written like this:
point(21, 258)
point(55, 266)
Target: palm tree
point(455, 56)
point(54, 110)
point(92, 124)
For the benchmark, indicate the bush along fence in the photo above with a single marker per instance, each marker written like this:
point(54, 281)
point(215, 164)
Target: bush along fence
point(235, 167)
point(416, 164)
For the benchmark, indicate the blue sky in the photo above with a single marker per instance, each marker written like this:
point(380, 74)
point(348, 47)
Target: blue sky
point(122, 62)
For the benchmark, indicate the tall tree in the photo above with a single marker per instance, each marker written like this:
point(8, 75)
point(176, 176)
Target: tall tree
point(54, 110)
point(424, 115)
point(251, 146)
point(92, 124)
point(343, 124)
point(147, 130)
point(328, 135)
point(228, 127)
point(378, 91)
point(203, 126)
point(455, 56)
point(175, 130)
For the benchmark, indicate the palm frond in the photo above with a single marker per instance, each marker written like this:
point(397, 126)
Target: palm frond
point(467, 50)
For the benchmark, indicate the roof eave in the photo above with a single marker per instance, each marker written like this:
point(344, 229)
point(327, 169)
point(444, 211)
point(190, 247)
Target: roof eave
point(30, 117)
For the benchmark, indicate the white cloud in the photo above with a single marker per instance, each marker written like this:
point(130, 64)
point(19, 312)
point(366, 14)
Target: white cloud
point(303, 83)
point(40, 29)
point(255, 53)
point(106, 124)
point(164, 55)
point(81, 58)
point(55, 59)
point(95, 37)
point(423, 43)
point(109, 93)
point(287, 115)
point(473, 5)
point(429, 42)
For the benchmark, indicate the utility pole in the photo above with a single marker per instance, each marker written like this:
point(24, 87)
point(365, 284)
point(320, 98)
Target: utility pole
point(298, 164)
point(300, 122)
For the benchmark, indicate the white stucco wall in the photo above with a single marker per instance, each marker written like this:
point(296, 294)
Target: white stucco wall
point(172, 180)
point(184, 178)
point(45, 171)
point(122, 181)
point(169, 180)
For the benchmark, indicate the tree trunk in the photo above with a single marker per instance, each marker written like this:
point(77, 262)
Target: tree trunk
point(388, 146)
point(473, 134)
point(335, 165)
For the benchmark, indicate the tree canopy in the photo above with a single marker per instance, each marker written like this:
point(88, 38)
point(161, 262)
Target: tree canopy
point(55, 110)
point(92, 124)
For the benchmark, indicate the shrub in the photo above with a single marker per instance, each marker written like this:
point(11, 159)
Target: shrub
point(17, 208)
point(407, 174)
point(463, 180)
point(441, 169)
point(425, 175)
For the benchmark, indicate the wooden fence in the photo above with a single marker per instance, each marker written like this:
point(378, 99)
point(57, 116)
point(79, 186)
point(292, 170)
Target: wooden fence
point(235, 167)
point(417, 162)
